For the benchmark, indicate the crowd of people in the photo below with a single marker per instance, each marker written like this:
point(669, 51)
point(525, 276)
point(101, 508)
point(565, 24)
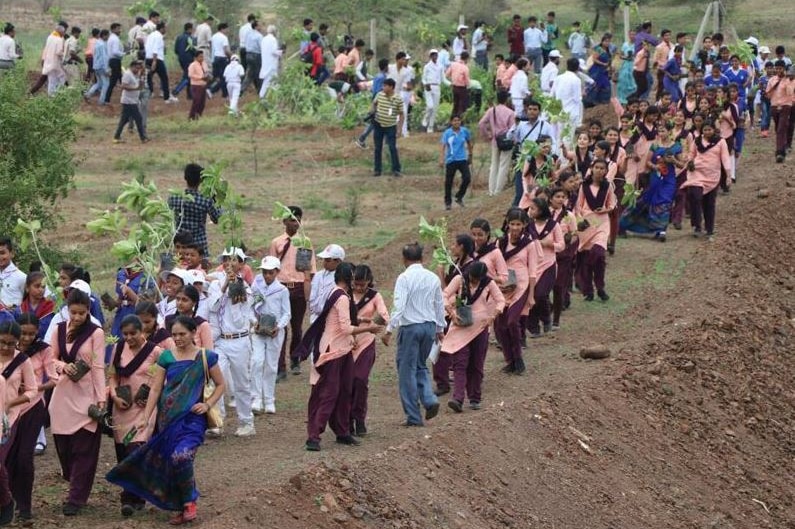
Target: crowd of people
point(206, 337)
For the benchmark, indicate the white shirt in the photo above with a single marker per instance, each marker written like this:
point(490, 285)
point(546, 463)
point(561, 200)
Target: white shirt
point(227, 317)
point(166, 308)
point(154, 46)
point(8, 48)
point(534, 38)
point(245, 29)
point(115, 49)
point(401, 77)
point(577, 43)
point(60, 317)
point(204, 33)
point(444, 58)
point(525, 131)
point(548, 75)
point(417, 299)
point(322, 285)
point(219, 43)
point(568, 89)
point(479, 41)
point(148, 28)
point(203, 310)
point(234, 72)
point(519, 87)
point(432, 73)
point(273, 299)
point(459, 45)
point(12, 285)
point(271, 54)
point(253, 40)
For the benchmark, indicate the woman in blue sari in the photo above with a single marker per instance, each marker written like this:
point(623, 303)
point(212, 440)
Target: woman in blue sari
point(672, 72)
point(600, 72)
point(652, 211)
point(161, 471)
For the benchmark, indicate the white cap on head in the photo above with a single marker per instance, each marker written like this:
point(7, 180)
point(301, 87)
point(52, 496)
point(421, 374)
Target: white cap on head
point(197, 276)
point(462, 26)
point(434, 50)
point(332, 251)
point(80, 285)
point(235, 58)
point(270, 263)
point(234, 251)
point(753, 41)
point(184, 275)
point(763, 50)
point(555, 53)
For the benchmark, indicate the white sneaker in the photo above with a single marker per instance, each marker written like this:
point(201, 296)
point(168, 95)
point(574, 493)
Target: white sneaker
point(172, 99)
point(213, 432)
point(209, 94)
point(245, 431)
point(257, 410)
point(232, 403)
point(270, 409)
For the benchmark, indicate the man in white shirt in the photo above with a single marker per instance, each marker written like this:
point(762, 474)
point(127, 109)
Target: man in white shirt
point(253, 57)
point(271, 55)
point(432, 75)
point(568, 90)
point(550, 72)
point(52, 60)
point(480, 45)
point(460, 41)
point(151, 24)
point(242, 36)
point(155, 61)
point(115, 54)
point(403, 75)
point(221, 52)
point(418, 313)
point(8, 48)
point(519, 87)
point(578, 42)
point(271, 302)
point(534, 40)
point(204, 35)
point(12, 279)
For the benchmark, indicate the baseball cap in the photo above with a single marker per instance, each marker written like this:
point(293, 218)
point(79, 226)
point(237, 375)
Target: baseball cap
point(433, 51)
point(764, 49)
point(462, 26)
point(555, 53)
point(332, 251)
point(197, 276)
point(270, 263)
point(234, 58)
point(753, 41)
point(80, 285)
point(180, 273)
point(234, 251)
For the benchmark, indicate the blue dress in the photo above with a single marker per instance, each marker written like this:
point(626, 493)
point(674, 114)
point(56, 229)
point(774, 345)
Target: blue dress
point(626, 81)
point(600, 91)
point(673, 67)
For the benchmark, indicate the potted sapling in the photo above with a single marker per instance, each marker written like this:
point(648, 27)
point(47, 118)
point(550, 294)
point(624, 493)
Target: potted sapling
point(302, 243)
point(436, 234)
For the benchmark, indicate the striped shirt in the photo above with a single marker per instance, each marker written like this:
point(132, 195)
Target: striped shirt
point(388, 109)
point(417, 299)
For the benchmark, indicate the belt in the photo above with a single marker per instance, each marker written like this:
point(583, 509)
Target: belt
point(234, 336)
point(294, 284)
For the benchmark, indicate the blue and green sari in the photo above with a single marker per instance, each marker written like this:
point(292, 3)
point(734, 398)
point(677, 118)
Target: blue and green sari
point(161, 471)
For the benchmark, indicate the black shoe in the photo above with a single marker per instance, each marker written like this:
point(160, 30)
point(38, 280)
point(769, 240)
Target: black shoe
point(602, 295)
point(24, 516)
point(376, 173)
point(460, 202)
point(455, 405)
point(534, 335)
point(439, 392)
point(408, 424)
point(520, 367)
point(359, 430)
point(448, 207)
point(127, 510)
point(295, 367)
point(547, 328)
point(312, 446)
point(432, 411)
point(524, 342)
point(510, 368)
point(779, 158)
point(678, 226)
point(7, 513)
point(70, 509)
point(397, 174)
point(474, 404)
point(281, 376)
point(589, 297)
point(348, 440)
point(611, 249)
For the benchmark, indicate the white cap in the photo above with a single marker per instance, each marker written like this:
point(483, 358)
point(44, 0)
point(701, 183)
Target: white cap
point(197, 275)
point(462, 26)
point(332, 251)
point(752, 41)
point(555, 53)
point(234, 58)
point(80, 285)
point(184, 275)
point(434, 50)
point(763, 49)
point(270, 263)
point(234, 252)
point(408, 56)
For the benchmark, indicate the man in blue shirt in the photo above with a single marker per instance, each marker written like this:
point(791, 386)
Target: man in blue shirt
point(378, 85)
point(184, 48)
point(456, 156)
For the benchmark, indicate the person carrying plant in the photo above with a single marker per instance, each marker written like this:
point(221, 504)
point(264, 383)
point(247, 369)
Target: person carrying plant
point(545, 229)
point(456, 156)
point(190, 214)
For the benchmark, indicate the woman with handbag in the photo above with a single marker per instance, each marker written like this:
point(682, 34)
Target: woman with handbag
point(161, 471)
point(495, 126)
point(129, 387)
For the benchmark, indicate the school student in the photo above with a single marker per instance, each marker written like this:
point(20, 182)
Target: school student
point(564, 258)
point(34, 302)
point(467, 345)
point(147, 313)
point(487, 250)
point(456, 156)
point(12, 279)
point(544, 228)
point(78, 350)
point(129, 382)
point(645, 134)
point(233, 75)
point(709, 155)
point(32, 415)
point(271, 299)
point(370, 309)
point(522, 255)
point(187, 304)
point(781, 91)
point(176, 278)
point(594, 203)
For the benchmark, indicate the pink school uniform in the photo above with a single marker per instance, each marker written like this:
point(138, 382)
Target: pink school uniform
point(370, 304)
point(21, 382)
point(546, 271)
point(591, 260)
point(642, 143)
point(133, 370)
point(490, 255)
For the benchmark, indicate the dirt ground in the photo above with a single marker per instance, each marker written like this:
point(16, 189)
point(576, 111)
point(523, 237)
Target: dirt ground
point(689, 424)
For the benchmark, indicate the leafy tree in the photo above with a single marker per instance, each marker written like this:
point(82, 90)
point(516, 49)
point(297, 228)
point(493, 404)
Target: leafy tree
point(37, 166)
point(611, 8)
point(225, 10)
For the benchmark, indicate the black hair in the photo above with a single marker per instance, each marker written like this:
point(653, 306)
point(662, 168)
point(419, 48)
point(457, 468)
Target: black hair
point(27, 318)
point(565, 175)
point(521, 63)
point(104, 33)
point(131, 319)
point(193, 174)
point(308, 21)
point(502, 97)
point(602, 144)
point(147, 307)
point(481, 224)
point(9, 27)
point(466, 240)
point(11, 327)
point(573, 64)
point(653, 109)
point(153, 14)
point(389, 82)
point(383, 64)
point(543, 208)
point(222, 25)
point(188, 26)
point(477, 270)
point(516, 214)
point(115, 25)
point(6, 241)
point(413, 252)
point(532, 18)
point(74, 272)
point(499, 56)
point(530, 102)
point(600, 161)
point(314, 36)
point(359, 42)
point(183, 237)
point(251, 17)
point(186, 321)
point(160, 25)
point(464, 55)
point(197, 53)
point(322, 26)
point(296, 211)
point(78, 297)
point(32, 278)
point(362, 272)
point(344, 274)
point(191, 292)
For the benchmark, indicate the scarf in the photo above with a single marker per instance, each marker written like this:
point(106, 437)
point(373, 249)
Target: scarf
point(367, 298)
point(649, 134)
point(85, 334)
point(159, 335)
point(546, 230)
point(469, 297)
point(598, 201)
point(310, 344)
point(134, 364)
point(36, 347)
point(43, 309)
point(452, 271)
point(172, 317)
point(521, 244)
point(485, 250)
point(701, 148)
point(13, 365)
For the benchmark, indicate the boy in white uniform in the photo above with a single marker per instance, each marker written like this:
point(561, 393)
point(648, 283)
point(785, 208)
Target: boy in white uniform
point(233, 75)
point(272, 300)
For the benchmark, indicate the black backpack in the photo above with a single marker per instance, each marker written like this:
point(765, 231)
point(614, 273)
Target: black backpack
point(307, 56)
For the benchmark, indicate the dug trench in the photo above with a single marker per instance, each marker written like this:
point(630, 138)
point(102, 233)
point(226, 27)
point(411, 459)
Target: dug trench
point(689, 424)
